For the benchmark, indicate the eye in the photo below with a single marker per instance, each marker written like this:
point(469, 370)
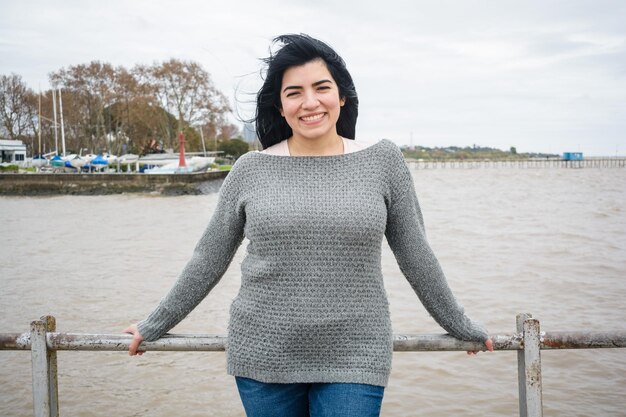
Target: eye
point(323, 87)
point(293, 93)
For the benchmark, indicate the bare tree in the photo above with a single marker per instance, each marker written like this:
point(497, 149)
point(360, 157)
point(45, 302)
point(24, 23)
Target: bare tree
point(16, 106)
point(229, 131)
point(93, 86)
point(115, 108)
point(185, 89)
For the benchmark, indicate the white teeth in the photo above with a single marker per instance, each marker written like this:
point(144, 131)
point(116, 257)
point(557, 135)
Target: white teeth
point(311, 118)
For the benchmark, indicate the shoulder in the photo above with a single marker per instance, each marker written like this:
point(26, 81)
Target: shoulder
point(396, 171)
point(391, 155)
point(245, 162)
point(238, 178)
point(391, 148)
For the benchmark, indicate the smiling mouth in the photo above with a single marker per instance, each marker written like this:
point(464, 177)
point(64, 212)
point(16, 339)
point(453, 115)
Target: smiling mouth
point(313, 118)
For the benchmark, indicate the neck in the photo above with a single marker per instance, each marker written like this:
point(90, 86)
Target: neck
point(332, 145)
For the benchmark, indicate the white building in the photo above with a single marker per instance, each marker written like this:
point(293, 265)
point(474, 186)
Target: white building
point(12, 152)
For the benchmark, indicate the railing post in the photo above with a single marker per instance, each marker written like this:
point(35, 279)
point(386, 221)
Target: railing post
point(532, 371)
point(41, 369)
point(521, 366)
point(51, 356)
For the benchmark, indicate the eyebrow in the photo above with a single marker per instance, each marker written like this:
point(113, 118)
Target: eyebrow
point(315, 84)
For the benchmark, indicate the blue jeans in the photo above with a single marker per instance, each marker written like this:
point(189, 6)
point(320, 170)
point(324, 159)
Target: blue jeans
point(261, 399)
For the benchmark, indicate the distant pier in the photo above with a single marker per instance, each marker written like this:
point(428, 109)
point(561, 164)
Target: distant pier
point(598, 162)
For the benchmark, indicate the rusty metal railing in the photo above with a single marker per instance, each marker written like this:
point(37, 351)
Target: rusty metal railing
point(44, 341)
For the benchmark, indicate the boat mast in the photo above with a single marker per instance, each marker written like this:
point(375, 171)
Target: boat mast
point(39, 124)
point(203, 145)
point(62, 127)
point(56, 130)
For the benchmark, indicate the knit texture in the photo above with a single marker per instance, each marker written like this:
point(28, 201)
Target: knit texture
point(312, 306)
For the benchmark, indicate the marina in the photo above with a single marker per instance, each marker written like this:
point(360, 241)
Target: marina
point(166, 173)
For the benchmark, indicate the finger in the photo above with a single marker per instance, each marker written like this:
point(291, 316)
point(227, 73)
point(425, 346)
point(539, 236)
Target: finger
point(134, 344)
point(489, 345)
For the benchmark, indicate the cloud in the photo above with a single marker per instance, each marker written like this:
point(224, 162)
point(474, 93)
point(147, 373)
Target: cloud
point(529, 74)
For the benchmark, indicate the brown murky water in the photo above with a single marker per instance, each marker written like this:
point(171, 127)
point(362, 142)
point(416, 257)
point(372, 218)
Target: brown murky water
point(548, 242)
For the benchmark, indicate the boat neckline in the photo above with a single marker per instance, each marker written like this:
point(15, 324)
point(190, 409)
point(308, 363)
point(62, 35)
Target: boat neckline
point(337, 156)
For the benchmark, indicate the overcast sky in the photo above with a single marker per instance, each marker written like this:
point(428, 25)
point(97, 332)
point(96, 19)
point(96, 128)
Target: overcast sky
point(538, 75)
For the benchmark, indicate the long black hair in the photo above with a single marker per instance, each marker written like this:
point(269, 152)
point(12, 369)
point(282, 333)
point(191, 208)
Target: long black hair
point(297, 50)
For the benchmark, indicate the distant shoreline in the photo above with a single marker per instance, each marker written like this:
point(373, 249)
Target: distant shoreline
point(46, 184)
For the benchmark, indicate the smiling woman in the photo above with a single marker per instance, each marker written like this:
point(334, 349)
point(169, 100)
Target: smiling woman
point(310, 104)
point(300, 54)
point(310, 330)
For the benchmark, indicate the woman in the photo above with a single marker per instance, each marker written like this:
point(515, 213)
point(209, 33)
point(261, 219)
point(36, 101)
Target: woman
point(309, 331)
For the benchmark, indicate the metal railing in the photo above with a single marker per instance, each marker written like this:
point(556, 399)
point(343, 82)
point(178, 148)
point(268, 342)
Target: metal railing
point(44, 341)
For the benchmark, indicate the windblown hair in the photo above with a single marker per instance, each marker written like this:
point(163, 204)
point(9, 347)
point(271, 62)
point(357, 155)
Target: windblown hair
point(297, 50)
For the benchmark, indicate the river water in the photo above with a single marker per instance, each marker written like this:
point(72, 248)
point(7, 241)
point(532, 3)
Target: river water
point(551, 242)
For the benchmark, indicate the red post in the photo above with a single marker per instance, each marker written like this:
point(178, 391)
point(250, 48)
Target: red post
point(181, 142)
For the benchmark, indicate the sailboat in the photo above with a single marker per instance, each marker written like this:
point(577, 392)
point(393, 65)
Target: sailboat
point(99, 163)
point(57, 161)
point(39, 160)
point(77, 162)
point(182, 166)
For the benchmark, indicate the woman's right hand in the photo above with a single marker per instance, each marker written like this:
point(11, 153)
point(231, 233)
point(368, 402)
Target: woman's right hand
point(137, 339)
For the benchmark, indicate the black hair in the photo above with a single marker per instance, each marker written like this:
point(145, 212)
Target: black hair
point(297, 50)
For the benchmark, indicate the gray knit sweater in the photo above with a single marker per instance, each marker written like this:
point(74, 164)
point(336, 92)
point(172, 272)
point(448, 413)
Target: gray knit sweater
point(312, 306)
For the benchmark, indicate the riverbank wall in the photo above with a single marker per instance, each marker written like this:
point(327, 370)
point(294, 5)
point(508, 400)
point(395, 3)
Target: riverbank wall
point(114, 183)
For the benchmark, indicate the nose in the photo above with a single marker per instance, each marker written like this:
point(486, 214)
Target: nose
point(310, 100)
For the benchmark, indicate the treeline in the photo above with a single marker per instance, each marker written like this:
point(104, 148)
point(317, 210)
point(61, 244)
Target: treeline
point(118, 110)
point(469, 152)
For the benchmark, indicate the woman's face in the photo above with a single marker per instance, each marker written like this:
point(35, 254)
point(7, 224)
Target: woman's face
point(310, 101)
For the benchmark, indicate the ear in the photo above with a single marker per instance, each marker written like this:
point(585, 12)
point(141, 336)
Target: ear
point(282, 113)
point(342, 101)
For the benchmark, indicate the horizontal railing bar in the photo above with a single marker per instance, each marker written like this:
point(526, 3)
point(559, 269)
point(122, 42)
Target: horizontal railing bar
point(402, 343)
point(14, 341)
point(583, 340)
point(117, 342)
point(439, 342)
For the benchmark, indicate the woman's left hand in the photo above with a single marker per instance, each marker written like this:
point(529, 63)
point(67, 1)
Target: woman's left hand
point(133, 349)
point(488, 345)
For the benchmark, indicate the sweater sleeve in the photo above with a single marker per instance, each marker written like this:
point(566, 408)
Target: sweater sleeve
point(210, 260)
point(407, 238)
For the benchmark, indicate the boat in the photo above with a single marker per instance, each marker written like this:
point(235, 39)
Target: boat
point(39, 161)
point(127, 159)
point(195, 164)
point(76, 161)
point(99, 163)
point(57, 161)
point(111, 159)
